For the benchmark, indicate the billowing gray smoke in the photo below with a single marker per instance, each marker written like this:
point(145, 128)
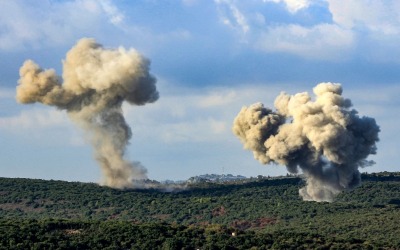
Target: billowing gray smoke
point(325, 138)
point(95, 83)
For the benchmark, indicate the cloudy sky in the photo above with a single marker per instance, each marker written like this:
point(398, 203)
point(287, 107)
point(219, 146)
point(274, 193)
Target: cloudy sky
point(210, 58)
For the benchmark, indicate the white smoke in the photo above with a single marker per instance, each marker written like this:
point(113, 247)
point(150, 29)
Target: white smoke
point(94, 83)
point(325, 138)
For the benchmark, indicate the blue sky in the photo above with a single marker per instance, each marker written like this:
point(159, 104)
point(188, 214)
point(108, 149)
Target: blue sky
point(210, 59)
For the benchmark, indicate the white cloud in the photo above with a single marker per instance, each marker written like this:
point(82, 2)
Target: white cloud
point(292, 5)
point(376, 24)
point(14, 25)
point(42, 126)
point(231, 16)
point(34, 119)
point(369, 28)
point(217, 99)
point(115, 15)
point(320, 42)
point(32, 24)
point(380, 16)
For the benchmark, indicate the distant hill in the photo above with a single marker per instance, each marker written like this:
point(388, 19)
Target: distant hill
point(259, 212)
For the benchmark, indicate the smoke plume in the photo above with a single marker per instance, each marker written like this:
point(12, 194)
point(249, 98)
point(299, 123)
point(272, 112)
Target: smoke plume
point(325, 138)
point(94, 84)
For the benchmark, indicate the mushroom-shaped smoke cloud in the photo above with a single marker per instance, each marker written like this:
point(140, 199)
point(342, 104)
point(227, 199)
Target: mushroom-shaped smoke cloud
point(94, 84)
point(325, 138)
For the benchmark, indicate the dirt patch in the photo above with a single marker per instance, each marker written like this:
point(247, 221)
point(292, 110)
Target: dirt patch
point(219, 211)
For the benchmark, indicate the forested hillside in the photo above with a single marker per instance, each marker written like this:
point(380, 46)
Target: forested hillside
point(260, 213)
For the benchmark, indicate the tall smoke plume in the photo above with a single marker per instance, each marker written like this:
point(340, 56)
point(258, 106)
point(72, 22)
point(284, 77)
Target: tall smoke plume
point(94, 84)
point(325, 138)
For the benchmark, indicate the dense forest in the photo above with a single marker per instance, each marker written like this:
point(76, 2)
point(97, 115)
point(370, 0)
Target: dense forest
point(257, 213)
